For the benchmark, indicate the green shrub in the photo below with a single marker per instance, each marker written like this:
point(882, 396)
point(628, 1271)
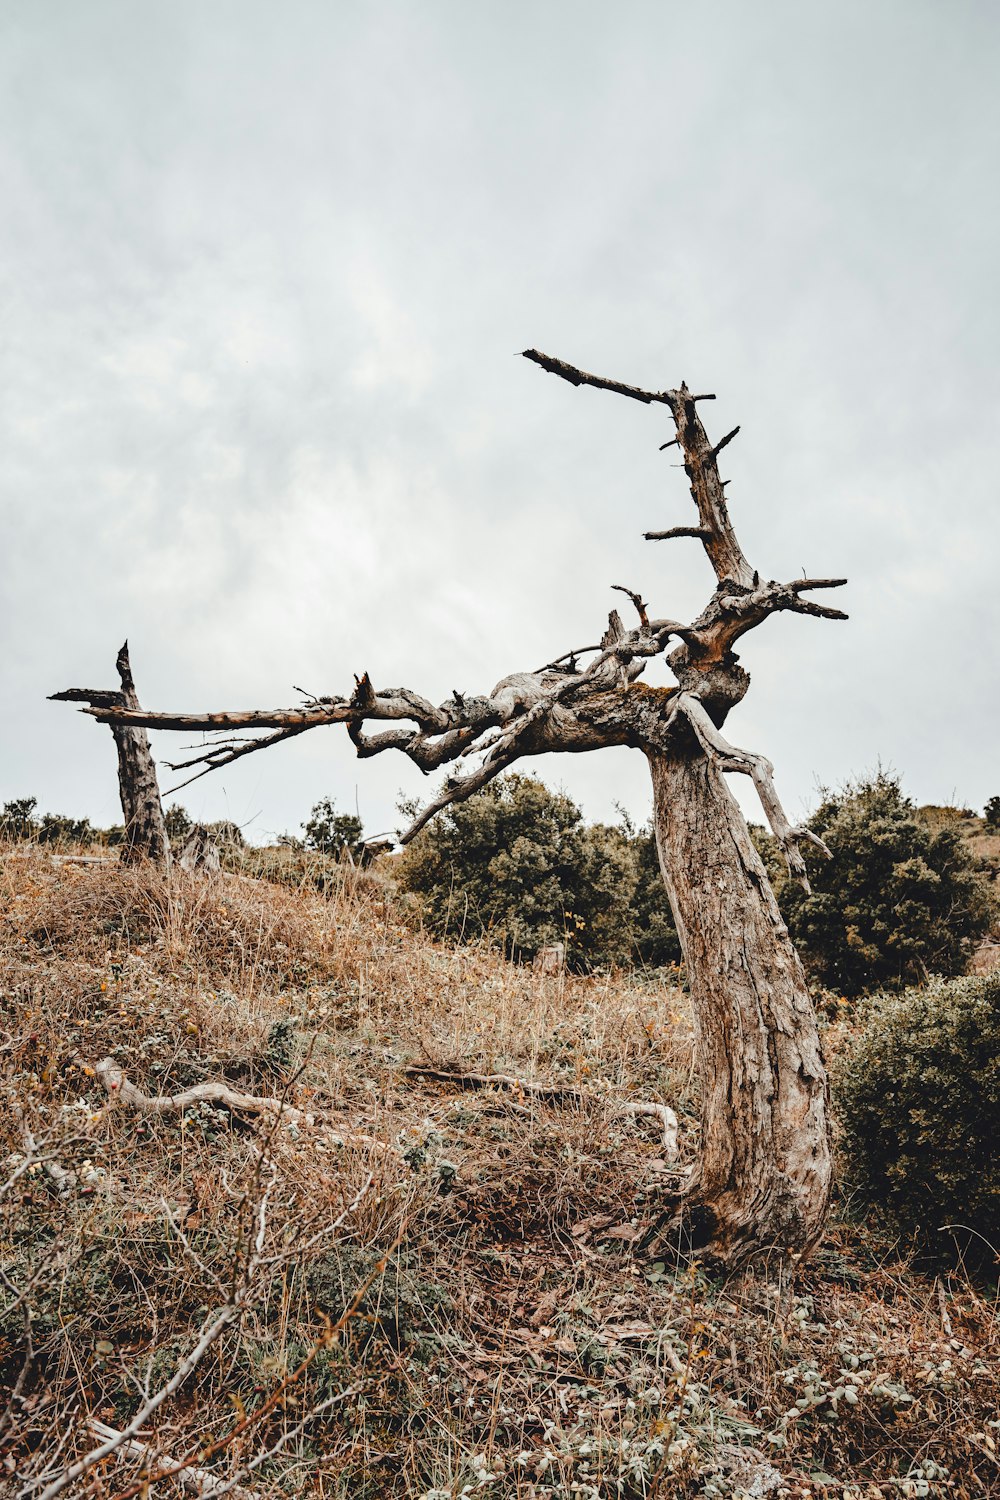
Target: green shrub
point(18, 819)
point(331, 832)
point(898, 901)
point(918, 1100)
point(518, 861)
point(55, 828)
point(178, 823)
point(991, 812)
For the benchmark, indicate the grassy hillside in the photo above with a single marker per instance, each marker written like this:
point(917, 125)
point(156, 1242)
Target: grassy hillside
point(431, 1288)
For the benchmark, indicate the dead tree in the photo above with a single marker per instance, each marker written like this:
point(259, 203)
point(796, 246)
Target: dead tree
point(764, 1177)
point(142, 811)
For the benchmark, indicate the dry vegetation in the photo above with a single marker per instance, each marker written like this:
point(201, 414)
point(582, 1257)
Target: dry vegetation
point(433, 1290)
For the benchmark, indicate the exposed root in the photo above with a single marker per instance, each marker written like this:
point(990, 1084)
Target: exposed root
point(558, 1094)
point(119, 1088)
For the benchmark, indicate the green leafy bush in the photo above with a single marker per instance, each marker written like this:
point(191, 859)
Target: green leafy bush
point(991, 812)
point(518, 860)
point(331, 832)
point(178, 823)
point(18, 820)
point(918, 1099)
point(898, 901)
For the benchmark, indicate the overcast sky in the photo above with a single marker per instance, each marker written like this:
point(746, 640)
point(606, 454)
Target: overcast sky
point(265, 268)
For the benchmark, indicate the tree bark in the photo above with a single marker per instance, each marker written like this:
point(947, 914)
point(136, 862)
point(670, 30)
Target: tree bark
point(765, 1168)
point(145, 828)
point(142, 811)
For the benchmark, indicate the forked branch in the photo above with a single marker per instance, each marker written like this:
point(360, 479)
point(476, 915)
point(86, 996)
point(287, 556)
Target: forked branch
point(715, 529)
point(761, 772)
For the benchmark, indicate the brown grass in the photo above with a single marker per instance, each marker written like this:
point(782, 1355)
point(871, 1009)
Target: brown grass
point(515, 1343)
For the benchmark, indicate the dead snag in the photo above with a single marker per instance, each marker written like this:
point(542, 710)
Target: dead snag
point(142, 811)
point(765, 1175)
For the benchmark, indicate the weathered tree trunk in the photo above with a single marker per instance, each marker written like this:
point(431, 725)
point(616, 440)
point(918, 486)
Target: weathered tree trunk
point(765, 1169)
point(145, 828)
point(142, 811)
point(764, 1179)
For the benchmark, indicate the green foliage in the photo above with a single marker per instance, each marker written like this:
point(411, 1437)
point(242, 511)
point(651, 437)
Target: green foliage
point(898, 901)
point(331, 832)
point(991, 812)
point(18, 821)
point(57, 829)
point(179, 823)
point(517, 860)
point(653, 935)
point(918, 1095)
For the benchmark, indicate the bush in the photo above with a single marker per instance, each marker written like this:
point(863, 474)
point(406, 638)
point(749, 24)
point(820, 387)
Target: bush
point(18, 820)
point(991, 812)
point(918, 1096)
point(226, 834)
point(331, 832)
point(898, 901)
point(517, 860)
point(57, 829)
point(178, 823)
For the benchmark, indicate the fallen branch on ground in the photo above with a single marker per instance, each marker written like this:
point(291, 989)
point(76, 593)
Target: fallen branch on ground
point(127, 1441)
point(119, 1088)
point(201, 1482)
point(558, 1094)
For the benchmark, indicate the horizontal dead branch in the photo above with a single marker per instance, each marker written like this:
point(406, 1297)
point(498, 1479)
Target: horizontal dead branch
point(118, 1087)
point(580, 377)
point(558, 1094)
point(673, 531)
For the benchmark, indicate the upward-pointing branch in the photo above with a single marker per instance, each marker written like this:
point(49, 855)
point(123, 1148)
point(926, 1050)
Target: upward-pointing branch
point(700, 463)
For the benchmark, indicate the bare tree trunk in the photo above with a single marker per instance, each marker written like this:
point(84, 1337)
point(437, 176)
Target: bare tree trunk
point(765, 1169)
point(145, 828)
point(142, 811)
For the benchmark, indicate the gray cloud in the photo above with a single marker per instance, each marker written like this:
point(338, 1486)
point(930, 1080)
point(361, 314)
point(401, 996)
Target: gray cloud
point(265, 269)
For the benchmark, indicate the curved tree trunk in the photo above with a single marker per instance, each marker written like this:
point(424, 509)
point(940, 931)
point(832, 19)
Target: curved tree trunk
point(765, 1170)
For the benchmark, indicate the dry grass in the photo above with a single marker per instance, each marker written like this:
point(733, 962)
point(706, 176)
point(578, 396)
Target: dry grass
point(515, 1342)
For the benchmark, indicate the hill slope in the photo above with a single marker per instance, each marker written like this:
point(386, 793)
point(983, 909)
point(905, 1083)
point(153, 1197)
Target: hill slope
point(423, 1286)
